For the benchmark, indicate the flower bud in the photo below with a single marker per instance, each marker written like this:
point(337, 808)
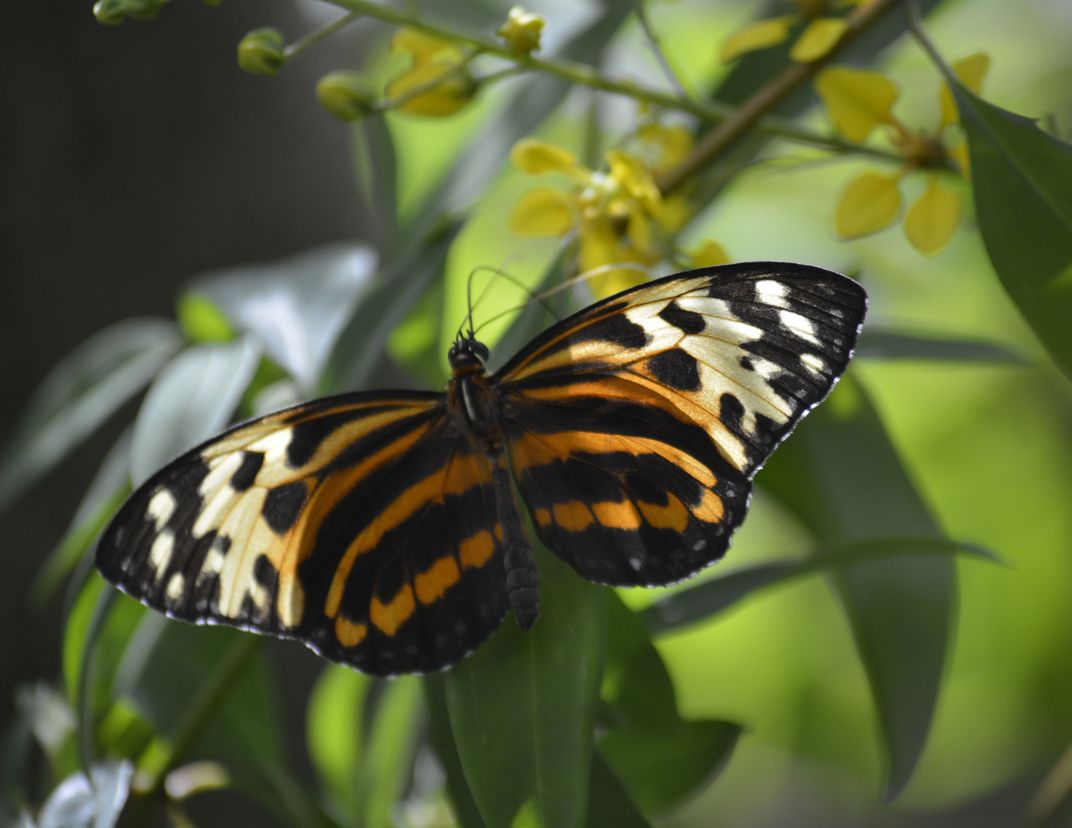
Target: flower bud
point(345, 95)
point(521, 31)
point(260, 52)
point(114, 12)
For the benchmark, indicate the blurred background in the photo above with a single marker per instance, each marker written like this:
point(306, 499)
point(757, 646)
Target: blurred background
point(136, 157)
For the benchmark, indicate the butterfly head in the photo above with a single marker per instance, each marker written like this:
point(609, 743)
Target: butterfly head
point(467, 355)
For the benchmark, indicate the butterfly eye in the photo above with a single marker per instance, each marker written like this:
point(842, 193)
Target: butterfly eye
point(479, 350)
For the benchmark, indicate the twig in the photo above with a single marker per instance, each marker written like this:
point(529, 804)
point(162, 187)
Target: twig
point(750, 114)
point(298, 46)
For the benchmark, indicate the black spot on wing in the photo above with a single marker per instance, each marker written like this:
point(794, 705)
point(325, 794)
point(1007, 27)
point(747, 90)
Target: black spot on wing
point(684, 320)
point(282, 506)
point(616, 328)
point(247, 471)
point(676, 369)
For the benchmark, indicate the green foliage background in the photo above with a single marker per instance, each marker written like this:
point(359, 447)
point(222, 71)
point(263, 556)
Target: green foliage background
point(887, 641)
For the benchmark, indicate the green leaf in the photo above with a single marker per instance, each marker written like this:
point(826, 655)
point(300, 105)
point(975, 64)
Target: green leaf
point(879, 343)
point(637, 689)
point(360, 345)
point(522, 707)
point(205, 689)
point(334, 732)
point(201, 320)
point(377, 176)
point(77, 801)
point(842, 478)
point(609, 803)
point(296, 308)
point(661, 768)
point(1022, 185)
point(385, 773)
point(192, 398)
point(107, 647)
point(442, 742)
point(712, 597)
point(80, 394)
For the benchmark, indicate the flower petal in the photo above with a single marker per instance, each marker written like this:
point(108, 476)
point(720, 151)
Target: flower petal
point(959, 154)
point(870, 202)
point(600, 247)
point(970, 71)
point(633, 177)
point(421, 45)
point(930, 222)
point(817, 39)
point(759, 35)
point(536, 157)
point(708, 254)
point(542, 212)
point(858, 100)
point(441, 99)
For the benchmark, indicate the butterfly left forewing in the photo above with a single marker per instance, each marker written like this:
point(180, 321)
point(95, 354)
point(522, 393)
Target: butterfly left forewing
point(683, 387)
point(327, 523)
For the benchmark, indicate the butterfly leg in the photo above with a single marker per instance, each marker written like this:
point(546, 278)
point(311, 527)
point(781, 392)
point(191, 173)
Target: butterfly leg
point(522, 582)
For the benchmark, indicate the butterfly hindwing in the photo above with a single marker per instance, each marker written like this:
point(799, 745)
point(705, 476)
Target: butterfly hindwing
point(636, 425)
point(359, 524)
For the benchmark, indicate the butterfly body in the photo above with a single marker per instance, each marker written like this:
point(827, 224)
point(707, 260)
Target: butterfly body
point(385, 529)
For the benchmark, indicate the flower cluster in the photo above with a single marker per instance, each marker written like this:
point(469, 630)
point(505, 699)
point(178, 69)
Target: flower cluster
point(820, 34)
point(621, 221)
point(859, 102)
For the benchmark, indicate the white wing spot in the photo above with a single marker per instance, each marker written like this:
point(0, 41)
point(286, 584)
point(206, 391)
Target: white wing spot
point(635, 563)
point(175, 588)
point(772, 293)
point(813, 363)
point(161, 507)
point(160, 553)
point(800, 325)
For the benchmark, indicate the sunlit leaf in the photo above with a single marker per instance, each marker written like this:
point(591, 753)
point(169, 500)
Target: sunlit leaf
point(522, 706)
point(1022, 185)
point(191, 399)
point(385, 772)
point(298, 307)
point(334, 731)
point(80, 394)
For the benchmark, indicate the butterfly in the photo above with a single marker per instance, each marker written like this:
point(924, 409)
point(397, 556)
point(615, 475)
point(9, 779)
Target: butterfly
point(384, 529)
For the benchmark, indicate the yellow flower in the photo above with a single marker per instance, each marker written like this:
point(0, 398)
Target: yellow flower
point(521, 31)
point(859, 102)
point(819, 36)
point(437, 83)
point(621, 221)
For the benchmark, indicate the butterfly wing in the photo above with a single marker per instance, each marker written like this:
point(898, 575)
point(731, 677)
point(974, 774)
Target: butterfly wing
point(635, 426)
point(362, 525)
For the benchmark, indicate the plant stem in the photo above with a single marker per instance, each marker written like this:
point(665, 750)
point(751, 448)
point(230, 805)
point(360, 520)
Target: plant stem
point(749, 116)
point(298, 46)
point(582, 75)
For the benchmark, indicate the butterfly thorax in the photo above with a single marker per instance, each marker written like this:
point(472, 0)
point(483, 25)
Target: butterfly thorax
point(473, 401)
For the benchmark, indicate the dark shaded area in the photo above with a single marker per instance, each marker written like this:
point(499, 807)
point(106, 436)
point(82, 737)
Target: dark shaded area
point(132, 158)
